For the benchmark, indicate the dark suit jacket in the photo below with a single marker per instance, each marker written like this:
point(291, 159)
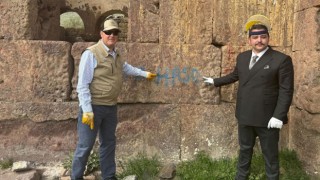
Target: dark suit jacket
point(265, 91)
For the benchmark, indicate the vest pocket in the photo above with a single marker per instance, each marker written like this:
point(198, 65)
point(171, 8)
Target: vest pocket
point(104, 91)
point(100, 88)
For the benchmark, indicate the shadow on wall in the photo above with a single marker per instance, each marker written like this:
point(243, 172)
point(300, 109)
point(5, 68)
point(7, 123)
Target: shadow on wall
point(73, 27)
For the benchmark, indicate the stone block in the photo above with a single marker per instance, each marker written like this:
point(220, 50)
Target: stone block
point(49, 141)
point(30, 20)
point(195, 21)
point(307, 84)
point(38, 112)
point(306, 28)
point(208, 128)
point(21, 166)
point(305, 138)
point(185, 22)
point(144, 21)
point(301, 5)
point(32, 175)
point(34, 70)
point(170, 24)
point(199, 60)
point(149, 128)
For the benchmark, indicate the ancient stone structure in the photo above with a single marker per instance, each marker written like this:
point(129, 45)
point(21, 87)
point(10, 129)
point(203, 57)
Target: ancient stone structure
point(173, 116)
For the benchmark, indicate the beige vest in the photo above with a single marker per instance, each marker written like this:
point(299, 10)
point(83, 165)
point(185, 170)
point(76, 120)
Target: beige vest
point(107, 78)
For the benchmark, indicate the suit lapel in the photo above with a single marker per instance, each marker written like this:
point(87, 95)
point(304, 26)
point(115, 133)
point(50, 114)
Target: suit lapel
point(245, 66)
point(266, 57)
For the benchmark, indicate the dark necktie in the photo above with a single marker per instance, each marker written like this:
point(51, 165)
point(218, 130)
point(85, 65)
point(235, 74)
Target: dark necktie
point(253, 61)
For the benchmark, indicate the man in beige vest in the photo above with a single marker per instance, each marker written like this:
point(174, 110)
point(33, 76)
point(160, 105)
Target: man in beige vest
point(99, 85)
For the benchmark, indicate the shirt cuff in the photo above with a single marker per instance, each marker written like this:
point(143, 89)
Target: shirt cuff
point(275, 118)
point(86, 108)
point(144, 74)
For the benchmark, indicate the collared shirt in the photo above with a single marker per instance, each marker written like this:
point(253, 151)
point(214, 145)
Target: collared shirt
point(86, 70)
point(259, 54)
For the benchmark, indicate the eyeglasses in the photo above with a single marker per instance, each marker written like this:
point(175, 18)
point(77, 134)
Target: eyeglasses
point(114, 32)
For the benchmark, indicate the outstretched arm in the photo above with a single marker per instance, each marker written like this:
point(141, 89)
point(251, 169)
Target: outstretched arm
point(134, 71)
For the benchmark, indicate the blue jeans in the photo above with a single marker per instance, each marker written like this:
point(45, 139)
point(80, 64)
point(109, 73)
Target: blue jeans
point(105, 122)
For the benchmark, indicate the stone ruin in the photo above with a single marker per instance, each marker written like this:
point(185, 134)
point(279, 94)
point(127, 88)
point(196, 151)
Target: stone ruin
point(172, 117)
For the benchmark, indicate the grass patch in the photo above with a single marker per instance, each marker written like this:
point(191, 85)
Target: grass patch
point(6, 163)
point(291, 167)
point(143, 167)
point(204, 168)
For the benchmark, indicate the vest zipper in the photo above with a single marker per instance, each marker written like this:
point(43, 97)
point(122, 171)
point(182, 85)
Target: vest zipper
point(112, 68)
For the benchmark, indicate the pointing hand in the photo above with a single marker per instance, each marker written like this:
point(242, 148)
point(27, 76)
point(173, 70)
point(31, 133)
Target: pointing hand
point(208, 81)
point(151, 76)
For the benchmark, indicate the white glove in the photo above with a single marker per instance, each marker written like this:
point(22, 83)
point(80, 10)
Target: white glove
point(275, 123)
point(208, 80)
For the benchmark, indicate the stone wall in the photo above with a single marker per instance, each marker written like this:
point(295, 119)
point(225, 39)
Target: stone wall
point(174, 116)
point(304, 129)
point(29, 20)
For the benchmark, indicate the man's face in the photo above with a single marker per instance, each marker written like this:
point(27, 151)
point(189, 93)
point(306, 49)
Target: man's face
point(109, 38)
point(258, 42)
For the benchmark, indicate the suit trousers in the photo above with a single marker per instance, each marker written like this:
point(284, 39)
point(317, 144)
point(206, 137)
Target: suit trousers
point(269, 139)
point(105, 122)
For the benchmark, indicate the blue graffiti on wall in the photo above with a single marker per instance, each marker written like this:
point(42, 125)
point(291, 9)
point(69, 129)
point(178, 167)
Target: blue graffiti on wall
point(171, 77)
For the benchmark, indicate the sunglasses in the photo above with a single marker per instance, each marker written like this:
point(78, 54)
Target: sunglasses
point(114, 32)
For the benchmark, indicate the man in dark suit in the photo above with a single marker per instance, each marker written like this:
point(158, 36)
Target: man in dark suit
point(263, 99)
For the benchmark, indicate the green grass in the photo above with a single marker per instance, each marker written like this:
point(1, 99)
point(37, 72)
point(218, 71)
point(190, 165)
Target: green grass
point(203, 167)
point(291, 167)
point(142, 166)
point(71, 20)
point(6, 163)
